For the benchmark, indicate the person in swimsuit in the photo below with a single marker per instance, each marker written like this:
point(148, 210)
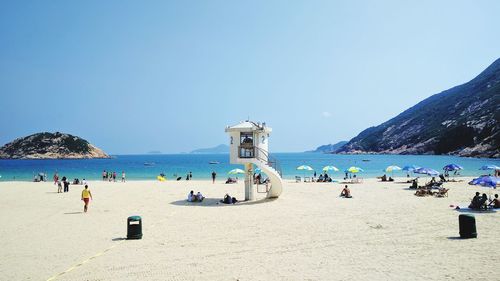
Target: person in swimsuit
point(346, 192)
point(86, 197)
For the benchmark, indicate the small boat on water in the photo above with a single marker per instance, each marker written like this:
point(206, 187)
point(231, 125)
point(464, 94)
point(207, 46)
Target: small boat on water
point(149, 163)
point(213, 162)
point(366, 160)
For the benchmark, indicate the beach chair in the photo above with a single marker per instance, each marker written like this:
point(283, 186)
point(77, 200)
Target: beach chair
point(307, 179)
point(298, 179)
point(442, 193)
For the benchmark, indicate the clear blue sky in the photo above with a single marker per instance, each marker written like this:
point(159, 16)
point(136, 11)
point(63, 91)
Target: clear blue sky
point(136, 76)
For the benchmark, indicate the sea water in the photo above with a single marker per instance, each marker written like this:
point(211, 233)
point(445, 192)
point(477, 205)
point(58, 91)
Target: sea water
point(178, 165)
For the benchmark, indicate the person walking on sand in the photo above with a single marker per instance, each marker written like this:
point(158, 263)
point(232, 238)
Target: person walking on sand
point(114, 176)
point(214, 174)
point(56, 178)
point(86, 197)
point(123, 176)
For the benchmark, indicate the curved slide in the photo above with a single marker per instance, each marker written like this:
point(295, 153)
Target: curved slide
point(274, 176)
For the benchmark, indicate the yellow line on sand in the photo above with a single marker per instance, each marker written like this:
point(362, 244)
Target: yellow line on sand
point(84, 262)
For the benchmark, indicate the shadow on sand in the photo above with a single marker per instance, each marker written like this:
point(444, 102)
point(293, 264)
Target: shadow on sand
point(215, 202)
point(73, 213)
point(118, 239)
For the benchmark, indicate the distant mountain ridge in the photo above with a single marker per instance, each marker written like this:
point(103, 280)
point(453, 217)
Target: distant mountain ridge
point(463, 120)
point(50, 146)
point(329, 148)
point(220, 149)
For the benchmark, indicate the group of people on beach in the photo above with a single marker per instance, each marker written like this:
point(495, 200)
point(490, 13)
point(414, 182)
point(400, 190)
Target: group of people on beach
point(195, 198)
point(111, 176)
point(86, 195)
point(480, 202)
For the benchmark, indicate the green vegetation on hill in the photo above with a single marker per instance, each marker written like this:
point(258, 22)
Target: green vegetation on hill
point(50, 145)
point(463, 120)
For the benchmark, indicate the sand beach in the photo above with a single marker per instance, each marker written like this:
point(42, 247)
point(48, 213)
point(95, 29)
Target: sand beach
point(309, 233)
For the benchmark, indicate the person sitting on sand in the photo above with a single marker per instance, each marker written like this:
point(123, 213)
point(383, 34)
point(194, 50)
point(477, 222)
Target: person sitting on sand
point(191, 197)
point(227, 199)
point(474, 204)
point(391, 179)
point(321, 178)
point(199, 197)
point(495, 203)
point(346, 193)
point(414, 184)
point(482, 201)
point(384, 178)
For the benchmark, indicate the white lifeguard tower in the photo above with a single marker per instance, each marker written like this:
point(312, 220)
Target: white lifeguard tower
point(248, 145)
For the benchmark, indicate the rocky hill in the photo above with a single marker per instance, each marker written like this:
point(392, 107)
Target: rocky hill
point(463, 120)
point(50, 146)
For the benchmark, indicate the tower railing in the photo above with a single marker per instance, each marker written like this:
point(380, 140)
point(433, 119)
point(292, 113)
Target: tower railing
point(265, 157)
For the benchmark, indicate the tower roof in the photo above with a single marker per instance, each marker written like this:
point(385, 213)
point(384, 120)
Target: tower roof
point(248, 126)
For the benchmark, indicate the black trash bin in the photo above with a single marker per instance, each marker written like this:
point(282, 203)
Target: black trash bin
point(467, 224)
point(134, 227)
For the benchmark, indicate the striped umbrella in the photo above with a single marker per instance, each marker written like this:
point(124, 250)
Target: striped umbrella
point(236, 171)
point(354, 170)
point(391, 169)
point(330, 168)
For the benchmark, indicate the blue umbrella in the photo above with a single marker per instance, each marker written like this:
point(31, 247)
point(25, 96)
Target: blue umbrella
point(410, 168)
point(452, 167)
point(487, 181)
point(427, 171)
point(489, 167)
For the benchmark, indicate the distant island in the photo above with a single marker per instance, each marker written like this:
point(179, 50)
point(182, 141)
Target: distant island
point(51, 146)
point(329, 148)
point(220, 149)
point(154, 152)
point(463, 121)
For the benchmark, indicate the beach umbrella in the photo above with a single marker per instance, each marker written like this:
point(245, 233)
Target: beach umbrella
point(305, 168)
point(427, 171)
point(391, 169)
point(354, 170)
point(410, 168)
point(236, 171)
point(452, 167)
point(330, 168)
point(489, 167)
point(487, 181)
